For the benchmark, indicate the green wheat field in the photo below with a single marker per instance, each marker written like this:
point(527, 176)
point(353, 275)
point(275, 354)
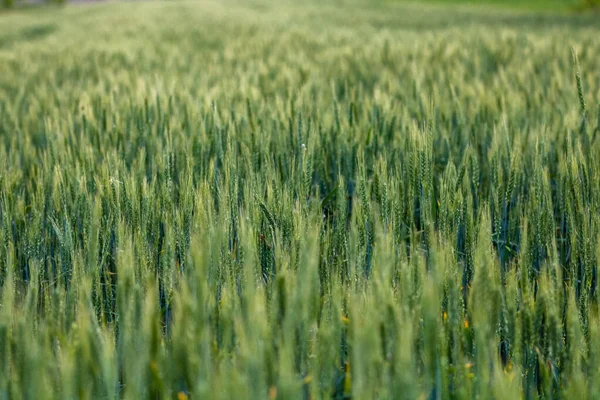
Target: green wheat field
point(299, 200)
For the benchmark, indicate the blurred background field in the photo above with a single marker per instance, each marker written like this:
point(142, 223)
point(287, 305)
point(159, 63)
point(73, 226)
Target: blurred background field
point(537, 5)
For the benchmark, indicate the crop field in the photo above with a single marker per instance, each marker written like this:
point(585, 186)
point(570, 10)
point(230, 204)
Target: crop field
point(299, 200)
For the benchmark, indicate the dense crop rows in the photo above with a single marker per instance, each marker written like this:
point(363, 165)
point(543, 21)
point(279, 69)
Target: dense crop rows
point(248, 201)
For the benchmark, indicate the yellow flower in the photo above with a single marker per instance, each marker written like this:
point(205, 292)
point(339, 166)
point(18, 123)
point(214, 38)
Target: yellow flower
point(182, 396)
point(272, 393)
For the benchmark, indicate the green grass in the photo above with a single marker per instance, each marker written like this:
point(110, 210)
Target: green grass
point(535, 5)
point(327, 200)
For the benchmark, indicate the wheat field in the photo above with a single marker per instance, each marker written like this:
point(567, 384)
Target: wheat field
point(338, 199)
